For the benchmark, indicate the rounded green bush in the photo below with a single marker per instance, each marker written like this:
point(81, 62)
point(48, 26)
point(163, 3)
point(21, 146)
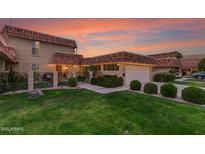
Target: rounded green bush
point(135, 85)
point(193, 95)
point(72, 82)
point(168, 77)
point(163, 77)
point(150, 88)
point(168, 90)
point(108, 81)
point(93, 81)
point(157, 77)
point(173, 70)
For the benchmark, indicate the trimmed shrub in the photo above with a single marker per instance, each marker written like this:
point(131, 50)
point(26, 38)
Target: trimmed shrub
point(120, 81)
point(81, 78)
point(42, 84)
point(150, 88)
point(173, 70)
point(163, 77)
point(63, 83)
point(135, 85)
point(168, 90)
point(72, 82)
point(192, 72)
point(96, 80)
point(193, 95)
point(157, 77)
point(12, 81)
point(108, 81)
point(93, 81)
point(168, 77)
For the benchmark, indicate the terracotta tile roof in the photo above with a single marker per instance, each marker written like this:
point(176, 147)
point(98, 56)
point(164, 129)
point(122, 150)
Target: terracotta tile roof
point(62, 58)
point(119, 57)
point(2, 40)
point(168, 63)
point(167, 55)
point(37, 36)
point(191, 61)
point(6, 52)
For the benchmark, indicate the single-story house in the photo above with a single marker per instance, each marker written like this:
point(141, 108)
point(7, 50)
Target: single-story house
point(23, 50)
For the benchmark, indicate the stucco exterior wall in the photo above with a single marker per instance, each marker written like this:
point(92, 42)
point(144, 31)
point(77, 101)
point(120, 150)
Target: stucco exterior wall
point(160, 70)
point(23, 50)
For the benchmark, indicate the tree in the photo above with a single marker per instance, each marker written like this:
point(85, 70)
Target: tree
point(201, 65)
point(173, 70)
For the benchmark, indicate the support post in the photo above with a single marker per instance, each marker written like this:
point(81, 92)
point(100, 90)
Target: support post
point(90, 75)
point(30, 80)
point(55, 79)
point(74, 74)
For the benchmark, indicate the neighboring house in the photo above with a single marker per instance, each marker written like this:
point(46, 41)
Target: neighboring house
point(190, 63)
point(166, 61)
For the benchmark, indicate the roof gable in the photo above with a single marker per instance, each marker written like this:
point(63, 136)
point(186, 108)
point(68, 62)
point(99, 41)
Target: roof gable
point(37, 36)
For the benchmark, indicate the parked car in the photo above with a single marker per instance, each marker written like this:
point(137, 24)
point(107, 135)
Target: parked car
point(178, 75)
point(199, 75)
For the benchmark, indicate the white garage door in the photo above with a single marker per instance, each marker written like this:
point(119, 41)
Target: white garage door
point(140, 73)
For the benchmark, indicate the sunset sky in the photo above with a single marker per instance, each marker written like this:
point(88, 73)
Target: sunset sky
point(143, 36)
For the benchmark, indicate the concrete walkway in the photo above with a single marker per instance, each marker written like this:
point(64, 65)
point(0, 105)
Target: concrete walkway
point(102, 90)
point(179, 88)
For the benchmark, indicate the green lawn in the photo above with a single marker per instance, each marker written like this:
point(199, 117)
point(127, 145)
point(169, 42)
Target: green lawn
point(191, 82)
point(195, 80)
point(85, 112)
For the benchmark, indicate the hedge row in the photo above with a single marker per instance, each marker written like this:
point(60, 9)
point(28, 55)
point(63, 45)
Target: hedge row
point(149, 88)
point(193, 95)
point(13, 81)
point(108, 81)
point(72, 82)
point(190, 94)
point(163, 77)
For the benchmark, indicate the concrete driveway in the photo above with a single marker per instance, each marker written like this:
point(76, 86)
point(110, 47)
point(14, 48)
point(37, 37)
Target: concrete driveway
point(102, 90)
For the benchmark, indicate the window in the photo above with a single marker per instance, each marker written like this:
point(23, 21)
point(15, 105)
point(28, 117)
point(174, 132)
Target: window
point(35, 67)
point(97, 67)
point(35, 48)
point(94, 68)
point(111, 67)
